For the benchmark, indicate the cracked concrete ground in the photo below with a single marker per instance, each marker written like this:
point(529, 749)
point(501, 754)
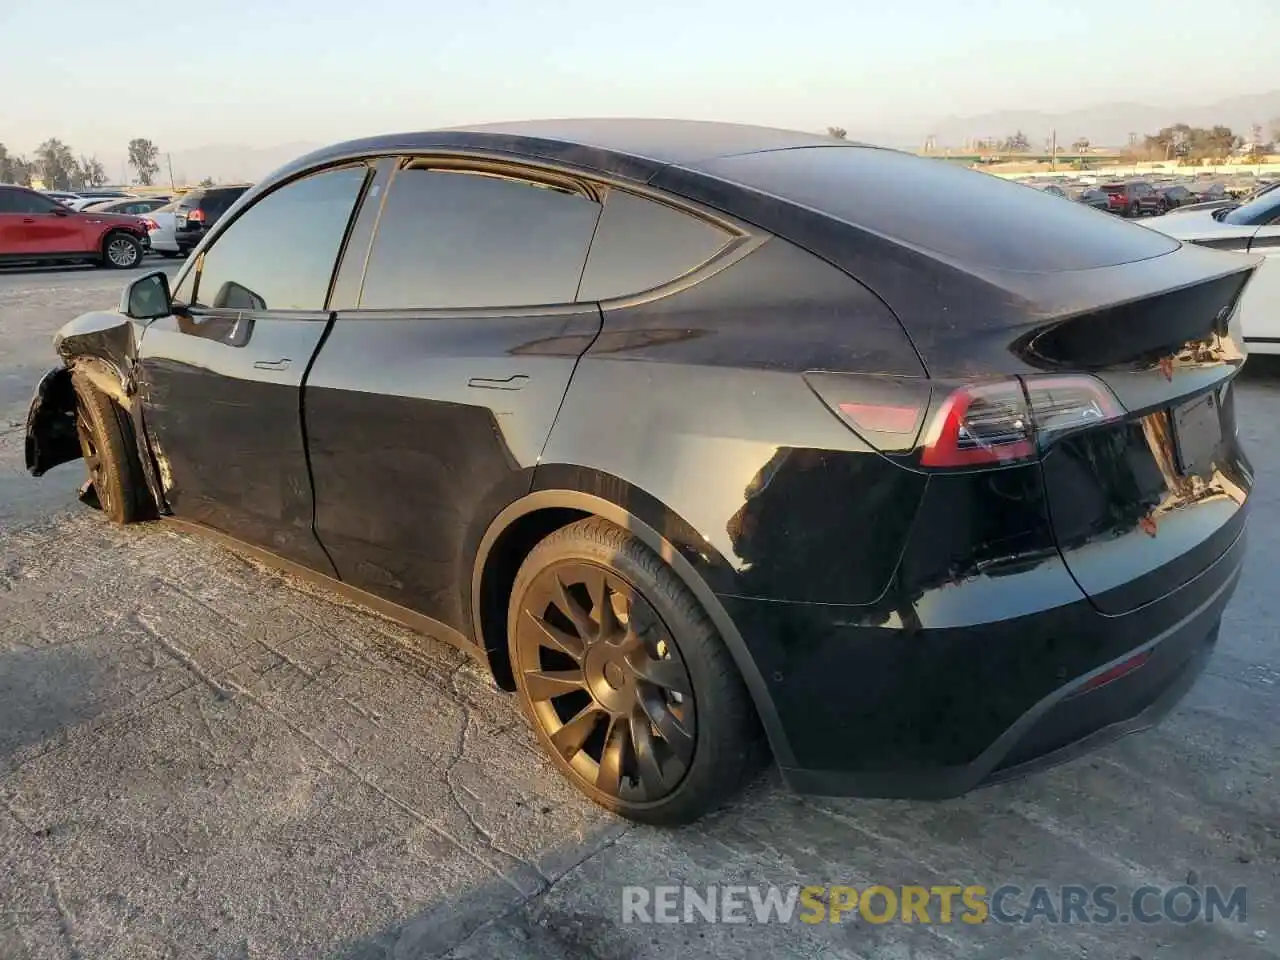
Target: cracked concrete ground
point(200, 757)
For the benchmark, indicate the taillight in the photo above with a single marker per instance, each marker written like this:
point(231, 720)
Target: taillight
point(1014, 419)
point(979, 424)
point(195, 216)
point(148, 224)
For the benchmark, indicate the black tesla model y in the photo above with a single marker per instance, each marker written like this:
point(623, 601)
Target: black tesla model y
point(703, 438)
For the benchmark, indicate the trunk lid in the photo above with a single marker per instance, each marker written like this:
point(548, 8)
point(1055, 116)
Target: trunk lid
point(1142, 505)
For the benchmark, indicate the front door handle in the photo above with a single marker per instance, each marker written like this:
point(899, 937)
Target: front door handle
point(506, 383)
point(282, 364)
point(28, 219)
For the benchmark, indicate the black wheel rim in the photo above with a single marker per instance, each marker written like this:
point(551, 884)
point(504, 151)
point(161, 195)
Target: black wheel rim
point(92, 459)
point(606, 682)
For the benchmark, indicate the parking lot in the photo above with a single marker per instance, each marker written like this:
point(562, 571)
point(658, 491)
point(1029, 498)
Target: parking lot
point(203, 758)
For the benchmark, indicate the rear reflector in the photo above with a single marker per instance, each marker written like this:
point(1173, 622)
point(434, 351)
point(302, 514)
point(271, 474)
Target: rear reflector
point(1114, 673)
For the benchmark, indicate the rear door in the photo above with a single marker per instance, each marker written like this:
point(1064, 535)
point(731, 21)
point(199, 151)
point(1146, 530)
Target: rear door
point(431, 400)
point(13, 232)
point(221, 379)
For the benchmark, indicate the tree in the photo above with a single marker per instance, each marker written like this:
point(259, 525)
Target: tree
point(1274, 127)
point(55, 165)
point(206, 182)
point(92, 173)
point(142, 157)
point(839, 133)
point(1018, 143)
point(1081, 145)
point(12, 169)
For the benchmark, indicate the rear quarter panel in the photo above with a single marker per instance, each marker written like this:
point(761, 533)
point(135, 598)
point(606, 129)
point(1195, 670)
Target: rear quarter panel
point(693, 409)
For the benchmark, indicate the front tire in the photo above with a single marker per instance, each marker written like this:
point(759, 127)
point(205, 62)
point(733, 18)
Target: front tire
point(121, 251)
point(626, 682)
point(110, 454)
point(1134, 210)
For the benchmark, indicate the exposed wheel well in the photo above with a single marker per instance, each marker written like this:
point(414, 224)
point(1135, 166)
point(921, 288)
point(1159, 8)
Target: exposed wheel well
point(501, 566)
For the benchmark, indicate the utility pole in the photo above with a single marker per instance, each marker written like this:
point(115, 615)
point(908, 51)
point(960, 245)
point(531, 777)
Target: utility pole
point(169, 159)
point(1053, 149)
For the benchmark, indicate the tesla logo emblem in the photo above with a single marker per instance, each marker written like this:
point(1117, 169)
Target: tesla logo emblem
point(1166, 367)
point(1148, 525)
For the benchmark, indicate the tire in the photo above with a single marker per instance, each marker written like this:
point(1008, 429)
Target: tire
point(1134, 210)
point(110, 454)
point(169, 254)
point(622, 686)
point(121, 251)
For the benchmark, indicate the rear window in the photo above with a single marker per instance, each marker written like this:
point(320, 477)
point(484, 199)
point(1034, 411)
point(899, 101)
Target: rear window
point(1114, 188)
point(972, 218)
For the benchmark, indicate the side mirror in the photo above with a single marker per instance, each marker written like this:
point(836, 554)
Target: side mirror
point(147, 298)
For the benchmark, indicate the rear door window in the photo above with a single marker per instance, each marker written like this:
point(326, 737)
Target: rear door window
point(641, 244)
point(459, 239)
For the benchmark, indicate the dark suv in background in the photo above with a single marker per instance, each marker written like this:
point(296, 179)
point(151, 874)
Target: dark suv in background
point(1132, 199)
point(199, 210)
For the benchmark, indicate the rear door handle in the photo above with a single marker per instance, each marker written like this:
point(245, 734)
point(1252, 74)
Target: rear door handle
point(282, 364)
point(514, 382)
point(28, 219)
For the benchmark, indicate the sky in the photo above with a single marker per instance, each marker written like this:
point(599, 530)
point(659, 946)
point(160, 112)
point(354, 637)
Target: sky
point(271, 72)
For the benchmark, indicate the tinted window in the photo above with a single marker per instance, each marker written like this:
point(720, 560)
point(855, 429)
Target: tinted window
point(970, 217)
point(218, 202)
point(279, 254)
point(24, 201)
point(641, 244)
point(450, 239)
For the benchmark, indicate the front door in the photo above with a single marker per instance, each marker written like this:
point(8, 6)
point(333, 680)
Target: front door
point(221, 379)
point(430, 401)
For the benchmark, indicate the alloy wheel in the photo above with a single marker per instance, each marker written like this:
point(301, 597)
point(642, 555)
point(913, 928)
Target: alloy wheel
point(605, 682)
point(122, 252)
point(93, 460)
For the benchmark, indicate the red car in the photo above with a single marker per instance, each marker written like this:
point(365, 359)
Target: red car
point(35, 228)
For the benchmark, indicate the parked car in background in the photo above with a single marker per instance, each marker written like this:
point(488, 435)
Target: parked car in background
point(1173, 196)
point(1096, 198)
point(1206, 192)
point(1132, 199)
point(34, 227)
point(137, 206)
point(199, 210)
point(159, 224)
point(1252, 227)
point(1052, 189)
point(1227, 202)
point(689, 432)
point(61, 196)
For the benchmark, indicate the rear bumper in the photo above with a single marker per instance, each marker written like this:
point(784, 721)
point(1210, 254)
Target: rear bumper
point(932, 714)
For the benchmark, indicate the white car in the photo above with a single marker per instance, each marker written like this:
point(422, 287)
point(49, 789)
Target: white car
point(1251, 227)
point(160, 230)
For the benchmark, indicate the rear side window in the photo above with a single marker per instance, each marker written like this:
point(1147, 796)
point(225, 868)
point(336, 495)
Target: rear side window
point(23, 201)
point(460, 239)
point(279, 254)
point(641, 244)
point(218, 202)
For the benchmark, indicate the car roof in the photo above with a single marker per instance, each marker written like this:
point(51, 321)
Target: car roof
point(633, 148)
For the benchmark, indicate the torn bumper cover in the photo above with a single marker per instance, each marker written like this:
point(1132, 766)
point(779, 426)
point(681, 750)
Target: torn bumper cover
point(51, 423)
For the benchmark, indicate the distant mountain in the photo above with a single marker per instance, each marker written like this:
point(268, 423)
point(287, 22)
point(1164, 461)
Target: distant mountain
point(1107, 124)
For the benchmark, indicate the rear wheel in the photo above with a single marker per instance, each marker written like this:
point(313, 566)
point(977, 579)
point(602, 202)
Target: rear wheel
point(121, 251)
point(1134, 210)
point(625, 680)
point(110, 456)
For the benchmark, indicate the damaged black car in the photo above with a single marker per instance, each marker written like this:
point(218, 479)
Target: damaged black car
point(710, 442)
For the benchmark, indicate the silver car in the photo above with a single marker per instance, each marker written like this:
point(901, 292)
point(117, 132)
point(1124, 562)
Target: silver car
point(162, 238)
point(1252, 227)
